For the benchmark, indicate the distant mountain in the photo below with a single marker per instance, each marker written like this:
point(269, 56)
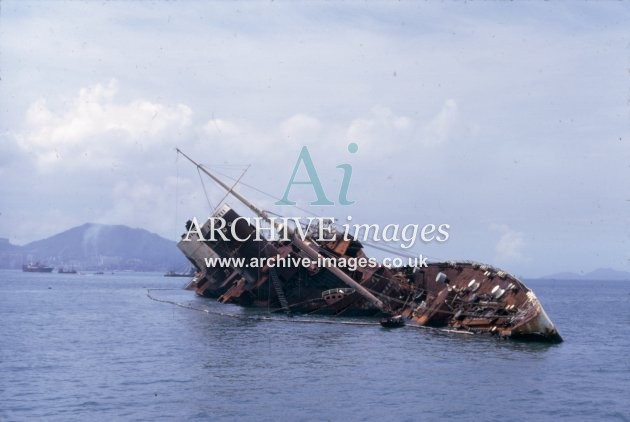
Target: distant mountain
point(598, 274)
point(98, 246)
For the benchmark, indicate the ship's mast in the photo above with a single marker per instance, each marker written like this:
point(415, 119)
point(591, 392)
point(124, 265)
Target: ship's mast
point(237, 195)
point(308, 249)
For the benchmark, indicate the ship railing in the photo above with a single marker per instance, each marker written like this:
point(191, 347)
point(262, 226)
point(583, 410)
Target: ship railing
point(485, 267)
point(342, 290)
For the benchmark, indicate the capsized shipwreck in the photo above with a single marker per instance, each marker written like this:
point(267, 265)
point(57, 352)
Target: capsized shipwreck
point(455, 295)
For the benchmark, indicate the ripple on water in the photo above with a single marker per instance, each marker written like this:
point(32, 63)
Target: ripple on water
point(86, 349)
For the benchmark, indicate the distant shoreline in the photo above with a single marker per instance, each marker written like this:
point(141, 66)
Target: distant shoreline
point(578, 278)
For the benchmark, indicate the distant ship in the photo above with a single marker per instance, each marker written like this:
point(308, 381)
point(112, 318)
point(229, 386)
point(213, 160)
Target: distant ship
point(66, 271)
point(36, 267)
point(190, 273)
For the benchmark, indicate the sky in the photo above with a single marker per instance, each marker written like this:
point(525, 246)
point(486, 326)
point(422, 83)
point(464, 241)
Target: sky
point(509, 121)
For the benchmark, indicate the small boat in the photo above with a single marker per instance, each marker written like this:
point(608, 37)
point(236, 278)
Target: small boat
point(393, 321)
point(36, 267)
point(66, 271)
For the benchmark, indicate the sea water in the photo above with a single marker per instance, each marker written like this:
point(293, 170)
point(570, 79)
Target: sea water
point(86, 346)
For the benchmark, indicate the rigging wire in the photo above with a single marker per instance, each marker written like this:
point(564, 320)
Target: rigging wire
point(365, 242)
point(233, 186)
point(264, 193)
point(291, 320)
point(238, 181)
point(204, 190)
point(176, 191)
point(252, 317)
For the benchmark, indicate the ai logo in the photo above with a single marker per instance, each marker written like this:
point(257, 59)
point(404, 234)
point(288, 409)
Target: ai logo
point(313, 179)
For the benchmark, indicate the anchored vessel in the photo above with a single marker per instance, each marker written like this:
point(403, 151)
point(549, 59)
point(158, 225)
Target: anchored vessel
point(36, 267)
point(455, 295)
point(189, 274)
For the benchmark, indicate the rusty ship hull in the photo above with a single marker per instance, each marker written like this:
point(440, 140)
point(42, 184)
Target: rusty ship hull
point(455, 295)
point(463, 296)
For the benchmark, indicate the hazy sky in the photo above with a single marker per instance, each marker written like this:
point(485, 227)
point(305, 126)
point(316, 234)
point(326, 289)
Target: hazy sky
point(508, 121)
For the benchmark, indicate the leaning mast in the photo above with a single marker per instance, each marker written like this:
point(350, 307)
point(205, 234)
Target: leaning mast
point(310, 251)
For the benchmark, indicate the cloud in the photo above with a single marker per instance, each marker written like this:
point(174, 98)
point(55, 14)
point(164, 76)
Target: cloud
point(442, 127)
point(406, 82)
point(300, 127)
point(9, 151)
point(381, 127)
point(151, 204)
point(510, 244)
point(384, 127)
point(93, 129)
point(221, 128)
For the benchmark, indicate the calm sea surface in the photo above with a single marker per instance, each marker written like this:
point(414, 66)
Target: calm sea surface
point(78, 347)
